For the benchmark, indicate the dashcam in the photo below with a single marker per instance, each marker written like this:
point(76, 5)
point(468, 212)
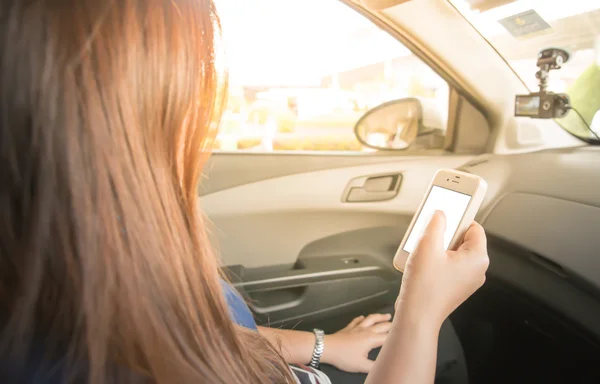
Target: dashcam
point(542, 105)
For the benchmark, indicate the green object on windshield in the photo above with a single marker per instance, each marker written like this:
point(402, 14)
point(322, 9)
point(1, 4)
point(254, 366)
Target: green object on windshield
point(585, 93)
point(585, 98)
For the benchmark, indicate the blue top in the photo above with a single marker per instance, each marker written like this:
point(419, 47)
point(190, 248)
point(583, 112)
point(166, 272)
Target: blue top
point(239, 311)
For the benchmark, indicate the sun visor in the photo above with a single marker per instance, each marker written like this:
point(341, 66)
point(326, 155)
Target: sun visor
point(381, 4)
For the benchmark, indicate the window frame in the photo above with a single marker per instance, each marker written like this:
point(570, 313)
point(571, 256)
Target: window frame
point(457, 96)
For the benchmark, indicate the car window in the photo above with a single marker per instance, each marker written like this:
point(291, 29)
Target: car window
point(520, 29)
point(302, 72)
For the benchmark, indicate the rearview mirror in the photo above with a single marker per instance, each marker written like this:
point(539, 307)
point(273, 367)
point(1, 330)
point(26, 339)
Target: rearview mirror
point(398, 124)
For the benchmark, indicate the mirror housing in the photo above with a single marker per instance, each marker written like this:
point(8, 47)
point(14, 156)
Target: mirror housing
point(400, 124)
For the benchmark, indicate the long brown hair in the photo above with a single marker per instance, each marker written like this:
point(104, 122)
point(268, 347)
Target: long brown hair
point(107, 109)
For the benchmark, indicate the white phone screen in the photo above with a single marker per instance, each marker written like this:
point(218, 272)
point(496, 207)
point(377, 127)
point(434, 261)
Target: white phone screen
point(452, 203)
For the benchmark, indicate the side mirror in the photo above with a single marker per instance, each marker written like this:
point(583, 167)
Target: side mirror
point(401, 123)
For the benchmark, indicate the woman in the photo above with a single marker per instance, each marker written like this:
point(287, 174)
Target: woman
point(106, 274)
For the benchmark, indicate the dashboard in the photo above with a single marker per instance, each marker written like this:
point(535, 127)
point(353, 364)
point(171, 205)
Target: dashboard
point(547, 202)
point(546, 207)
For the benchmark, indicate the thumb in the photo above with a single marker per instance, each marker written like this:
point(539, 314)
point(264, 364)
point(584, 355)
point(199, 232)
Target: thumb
point(433, 234)
point(474, 239)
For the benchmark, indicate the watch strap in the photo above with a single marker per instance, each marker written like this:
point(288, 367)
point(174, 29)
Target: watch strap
point(315, 361)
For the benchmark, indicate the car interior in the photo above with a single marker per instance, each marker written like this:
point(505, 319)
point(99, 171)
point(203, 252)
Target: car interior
point(308, 237)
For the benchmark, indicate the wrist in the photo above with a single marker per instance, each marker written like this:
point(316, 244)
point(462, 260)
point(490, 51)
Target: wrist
point(318, 349)
point(329, 351)
point(406, 318)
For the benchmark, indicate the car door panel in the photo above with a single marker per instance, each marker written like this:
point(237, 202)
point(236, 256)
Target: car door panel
point(316, 287)
point(269, 222)
point(229, 169)
point(299, 250)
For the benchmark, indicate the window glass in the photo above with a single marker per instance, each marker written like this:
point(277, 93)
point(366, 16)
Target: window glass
point(302, 72)
point(520, 29)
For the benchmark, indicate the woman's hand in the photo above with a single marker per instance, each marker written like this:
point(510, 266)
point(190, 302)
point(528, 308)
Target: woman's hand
point(348, 349)
point(436, 281)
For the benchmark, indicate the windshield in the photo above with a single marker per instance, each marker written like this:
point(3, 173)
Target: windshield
point(520, 29)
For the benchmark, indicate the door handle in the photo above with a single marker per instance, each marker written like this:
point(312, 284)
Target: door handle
point(372, 188)
point(269, 301)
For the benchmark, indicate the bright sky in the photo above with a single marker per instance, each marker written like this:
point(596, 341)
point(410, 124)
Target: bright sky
point(297, 42)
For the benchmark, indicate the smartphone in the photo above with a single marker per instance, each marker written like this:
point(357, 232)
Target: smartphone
point(459, 196)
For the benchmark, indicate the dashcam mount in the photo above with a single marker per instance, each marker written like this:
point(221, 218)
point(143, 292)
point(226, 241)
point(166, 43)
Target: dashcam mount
point(544, 104)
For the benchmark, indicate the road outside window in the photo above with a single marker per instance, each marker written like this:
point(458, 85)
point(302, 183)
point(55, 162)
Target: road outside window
point(302, 72)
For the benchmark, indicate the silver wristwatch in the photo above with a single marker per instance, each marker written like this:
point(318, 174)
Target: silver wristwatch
point(319, 348)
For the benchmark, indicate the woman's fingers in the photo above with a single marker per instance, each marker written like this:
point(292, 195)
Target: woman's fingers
point(377, 340)
point(383, 327)
point(474, 249)
point(355, 322)
point(474, 239)
point(375, 318)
